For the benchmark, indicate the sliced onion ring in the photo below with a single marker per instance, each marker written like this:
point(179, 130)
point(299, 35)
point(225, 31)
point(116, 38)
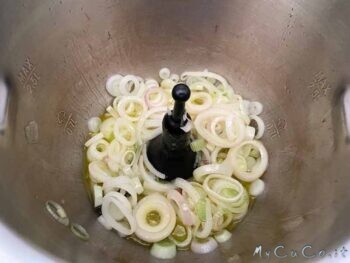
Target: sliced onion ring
point(123, 183)
point(150, 182)
point(115, 224)
point(259, 168)
point(204, 247)
point(184, 210)
point(260, 124)
point(201, 172)
point(227, 182)
point(150, 166)
point(154, 233)
point(188, 188)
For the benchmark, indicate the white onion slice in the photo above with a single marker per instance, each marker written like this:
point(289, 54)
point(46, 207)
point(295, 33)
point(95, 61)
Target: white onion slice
point(98, 195)
point(94, 124)
point(201, 84)
point(255, 108)
point(144, 134)
point(187, 127)
point(183, 210)
point(261, 126)
point(163, 250)
point(124, 132)
point(160, 100)
point(126, 156)
point(139, 107)
point(205, 156)
point(192, 105)
point(98, 150)
point(167, 84)
point(114, 210)
point(203, 229)
point(112, 85)
point(210, 147)
point(137, 184)
point(107, 127)
point(116, 150)
point(112, 112)
point(99, 172)
point(218, 218)
point(150, 182)
point(223, 236)
point(121, 182)
point(185, 242)
point(151, 83)
point(150, 166)
point(250, 133)
point(116, 224)
point(94, 139)
point(119, 162)
point(215, 154)
point(227, 183)
point(164, 73)
point(204, 118)
point(174, 77)
point(257, 170)
point(129, 85)
point(204, 247)
point(207, 74)
point(154, 203)
point(188, 188)
point(121, 198)
point(113, 165)
point(221, 219)
point(201, 172)
point(257, 187)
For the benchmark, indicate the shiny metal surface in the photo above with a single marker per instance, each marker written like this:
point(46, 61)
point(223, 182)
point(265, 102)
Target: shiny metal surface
point(293, 56)
point(3, 104)
point(346, 102)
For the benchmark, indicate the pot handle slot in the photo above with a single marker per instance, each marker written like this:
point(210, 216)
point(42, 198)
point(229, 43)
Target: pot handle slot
point(3, 105)
point(346, 108)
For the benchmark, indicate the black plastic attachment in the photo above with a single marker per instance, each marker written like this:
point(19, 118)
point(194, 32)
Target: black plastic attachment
point(181, 93)
point(170, 152)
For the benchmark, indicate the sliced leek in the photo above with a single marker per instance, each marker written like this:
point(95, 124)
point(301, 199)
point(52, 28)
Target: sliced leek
point(135, 199)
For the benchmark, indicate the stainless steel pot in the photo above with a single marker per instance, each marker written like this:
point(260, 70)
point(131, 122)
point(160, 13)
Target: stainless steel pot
point(293, 56)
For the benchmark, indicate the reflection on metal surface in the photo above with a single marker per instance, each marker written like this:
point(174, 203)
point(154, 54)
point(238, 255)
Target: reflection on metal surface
point(346, 100)
point(234, 259)
point(14, 249)
point(3, 105)
point(31, 132)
